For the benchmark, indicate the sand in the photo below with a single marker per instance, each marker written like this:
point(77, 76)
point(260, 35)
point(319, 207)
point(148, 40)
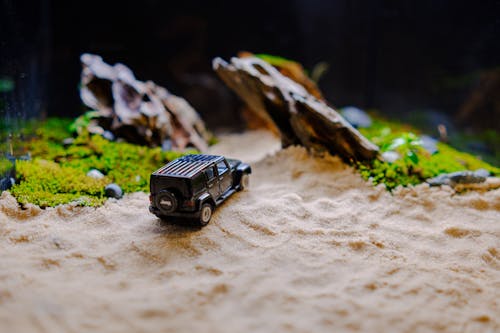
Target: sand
point(310, 247)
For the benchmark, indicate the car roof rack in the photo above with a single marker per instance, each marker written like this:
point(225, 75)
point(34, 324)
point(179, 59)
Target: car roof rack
point(187, 166)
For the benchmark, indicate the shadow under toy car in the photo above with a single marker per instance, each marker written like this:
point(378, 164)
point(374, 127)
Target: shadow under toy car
point(193, 185)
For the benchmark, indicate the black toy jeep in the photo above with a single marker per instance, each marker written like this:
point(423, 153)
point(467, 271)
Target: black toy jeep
point(193, 185)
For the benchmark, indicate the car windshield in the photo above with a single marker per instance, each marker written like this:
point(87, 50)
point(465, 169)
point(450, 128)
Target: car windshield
point(221, 167)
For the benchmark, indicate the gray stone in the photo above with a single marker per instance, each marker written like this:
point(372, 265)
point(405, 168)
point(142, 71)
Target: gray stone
point(466, 177)
point(166, 145)
point(443, 179)
point(6, 183)
point(356, 117)
point(429, 144)
point(459, 177)
point(108, 136)
point(390, 156)
point(94, 173)
point(68, 142)
point(113, 191)
point(482, 173)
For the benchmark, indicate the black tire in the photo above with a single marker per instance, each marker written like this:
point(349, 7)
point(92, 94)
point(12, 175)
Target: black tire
point(166, 202)
point(206, 212)
point(244, 181)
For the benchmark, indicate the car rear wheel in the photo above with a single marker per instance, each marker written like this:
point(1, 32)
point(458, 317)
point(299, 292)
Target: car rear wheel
point(206, 213)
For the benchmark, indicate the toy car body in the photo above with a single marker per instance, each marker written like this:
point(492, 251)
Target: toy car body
point(193, 185)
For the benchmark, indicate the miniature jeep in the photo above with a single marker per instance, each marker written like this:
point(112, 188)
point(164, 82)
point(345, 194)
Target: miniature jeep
point(193, 185)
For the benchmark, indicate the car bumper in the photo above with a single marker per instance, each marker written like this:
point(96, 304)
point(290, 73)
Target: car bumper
point(157, 212)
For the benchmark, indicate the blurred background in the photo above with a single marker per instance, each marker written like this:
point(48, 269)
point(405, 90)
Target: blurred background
point(426, 62)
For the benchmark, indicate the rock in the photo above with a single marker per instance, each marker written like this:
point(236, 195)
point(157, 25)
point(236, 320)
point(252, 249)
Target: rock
point(113, 191)
point(482, 173)
point(465, 177)
point(14, 158)
point(356, 117)
point(491, 183)
point(300, 117)
point(6, 183)
point(94, 173)
point(459, 177)
point(290, 69)
point(140, 112)
point(429, 144)
point(68, 142)
point(443, 179)
point(166, 145)
point(108, 135)
point(390, 156)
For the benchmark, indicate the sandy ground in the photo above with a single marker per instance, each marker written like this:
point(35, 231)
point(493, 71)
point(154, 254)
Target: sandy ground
point(310, 247)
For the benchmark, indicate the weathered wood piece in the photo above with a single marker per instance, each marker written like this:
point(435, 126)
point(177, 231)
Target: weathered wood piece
point(300, 117)
point(139, 112)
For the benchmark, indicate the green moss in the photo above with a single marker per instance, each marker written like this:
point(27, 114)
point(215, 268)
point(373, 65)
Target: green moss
point(46, 183)
point(57, 174)
point(82, 122)
point(5, 166)
point(416, 164)
point(274, 60)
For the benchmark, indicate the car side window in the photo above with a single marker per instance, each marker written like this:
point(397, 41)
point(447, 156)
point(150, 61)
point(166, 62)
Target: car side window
point(210, 173)
point(198, 183)
point(221, 167)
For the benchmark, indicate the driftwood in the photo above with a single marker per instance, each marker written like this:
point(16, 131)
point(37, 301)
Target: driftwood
point(139, 112)
point(300, 117)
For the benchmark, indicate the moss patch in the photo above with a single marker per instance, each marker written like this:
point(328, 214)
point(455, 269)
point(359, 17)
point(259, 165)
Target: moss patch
point(57, 174)
point(416, 164)
point(46, 183)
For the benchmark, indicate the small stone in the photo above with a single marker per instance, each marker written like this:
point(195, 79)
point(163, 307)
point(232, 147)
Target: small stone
point(6, 183)
point(443, 179)
point(57, 242)
point(465, 177)
point(491, 183)
point(429, 144)
point(390, 156)
point(108, 136)
point(482, 173)
point(459, 177)
point(113, 191)
point(68, 142)
point(356, 117)
point(25, 157)
point(166, 145)
point(94, 173)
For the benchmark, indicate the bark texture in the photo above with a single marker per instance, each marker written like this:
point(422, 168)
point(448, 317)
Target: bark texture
point(300, 117)
point(140, 112)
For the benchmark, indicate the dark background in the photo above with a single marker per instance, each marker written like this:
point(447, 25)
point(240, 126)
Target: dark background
point(402, 57)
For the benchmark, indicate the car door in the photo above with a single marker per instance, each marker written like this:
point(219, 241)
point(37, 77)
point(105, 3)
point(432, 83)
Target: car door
point(225, 177)
point(213, 182)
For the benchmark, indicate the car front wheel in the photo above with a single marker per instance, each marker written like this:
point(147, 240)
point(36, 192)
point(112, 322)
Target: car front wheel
point(244, 182)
